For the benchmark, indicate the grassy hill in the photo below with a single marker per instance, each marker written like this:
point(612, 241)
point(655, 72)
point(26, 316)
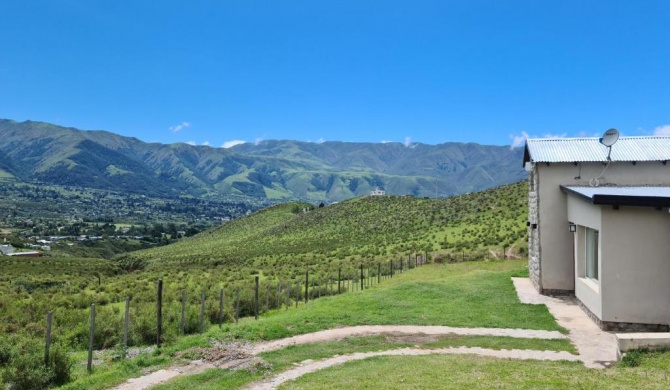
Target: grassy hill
point(362, 229)
point(272, 170)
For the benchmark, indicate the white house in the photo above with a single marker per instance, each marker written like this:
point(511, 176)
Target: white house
point(378, 192)
point(599, 227)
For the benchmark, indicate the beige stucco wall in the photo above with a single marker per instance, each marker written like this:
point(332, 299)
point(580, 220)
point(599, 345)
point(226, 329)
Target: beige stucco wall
point(555, 241)
point(635, 265)
point(583, 214)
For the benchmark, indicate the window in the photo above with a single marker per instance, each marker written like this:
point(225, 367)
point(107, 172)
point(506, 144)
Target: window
point(591, 254)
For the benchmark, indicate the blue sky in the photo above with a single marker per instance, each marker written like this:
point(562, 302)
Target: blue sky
point(423, 71)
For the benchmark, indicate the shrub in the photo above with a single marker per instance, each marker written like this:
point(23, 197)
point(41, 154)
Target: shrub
point(27, 371)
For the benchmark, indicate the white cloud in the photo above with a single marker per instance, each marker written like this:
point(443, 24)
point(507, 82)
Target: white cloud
point(408, 142)
point(180, 127)
point(231, 143)
point(320, 140)
point(662, 130)
point(518, 140)
point(385, 141)
point(259, 140)
point(192, 143)
point(206, 143)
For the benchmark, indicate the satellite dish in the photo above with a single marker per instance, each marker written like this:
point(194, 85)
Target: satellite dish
point(610, 137)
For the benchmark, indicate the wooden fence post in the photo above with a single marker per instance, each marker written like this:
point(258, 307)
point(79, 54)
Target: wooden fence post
point(288, 295)
point(362, 279)
point(202, 311)
point(306, 286)
point(159, 313)
point(47, 346)
point(182, 325)
point(237, 306)
point(126, 319)
point(89, 364)
point(379, 273)
point(391, 267)
point(279, 295)
point(256, 298)
point(339, 278)
point(220, 307)
point(297, 294)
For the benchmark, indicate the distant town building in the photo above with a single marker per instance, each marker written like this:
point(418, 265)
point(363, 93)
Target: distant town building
point(378, 192)
point(6, 249)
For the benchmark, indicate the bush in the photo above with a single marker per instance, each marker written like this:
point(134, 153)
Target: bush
point(26, 370)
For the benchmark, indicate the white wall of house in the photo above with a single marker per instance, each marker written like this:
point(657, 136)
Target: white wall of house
point(555, 247)
point(635, 247)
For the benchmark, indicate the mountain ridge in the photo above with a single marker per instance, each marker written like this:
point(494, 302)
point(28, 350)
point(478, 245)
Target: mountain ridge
point(271, 169)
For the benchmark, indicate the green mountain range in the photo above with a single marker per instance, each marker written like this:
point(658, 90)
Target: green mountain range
point(272, 170)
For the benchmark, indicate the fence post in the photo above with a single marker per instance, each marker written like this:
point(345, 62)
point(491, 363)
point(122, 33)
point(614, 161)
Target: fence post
point(504, 254)
point(306, 286)
point(159, 313)
point(202, 311)
point(288, 295)
point(279, 295)
point(362, 279)
point(89, 364)
point(47, 346)
point(339, 278)
point(182, 325)
point(237, 307)
point(297, 294)
point(256, 298)
point(379, 273)
point(391, 267)
point(126, 319)
point(267, 298)
point(220, 307)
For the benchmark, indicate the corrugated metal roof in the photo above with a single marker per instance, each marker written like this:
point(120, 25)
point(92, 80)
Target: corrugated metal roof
point(655, 148)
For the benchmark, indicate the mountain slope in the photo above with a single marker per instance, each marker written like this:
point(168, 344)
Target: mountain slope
point(270, 170)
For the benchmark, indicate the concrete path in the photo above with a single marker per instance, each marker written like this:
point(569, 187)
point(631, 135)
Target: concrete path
point(313, 366)
point(597, 349)
point(370, 330)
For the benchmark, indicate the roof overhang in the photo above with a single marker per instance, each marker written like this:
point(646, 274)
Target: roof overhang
point(642, 196)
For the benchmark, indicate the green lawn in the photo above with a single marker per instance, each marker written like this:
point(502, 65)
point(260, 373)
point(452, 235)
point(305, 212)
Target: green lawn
point(471, 294)
point(468, 372)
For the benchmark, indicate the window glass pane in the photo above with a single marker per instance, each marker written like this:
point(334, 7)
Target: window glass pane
point(591, 253)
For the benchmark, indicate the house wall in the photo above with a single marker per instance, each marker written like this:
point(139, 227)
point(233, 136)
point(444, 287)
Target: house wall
point(586, 290)
point(635, 265)
point(555, 262)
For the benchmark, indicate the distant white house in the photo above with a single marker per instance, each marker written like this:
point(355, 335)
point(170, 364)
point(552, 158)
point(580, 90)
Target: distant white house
point(378, 192)
point(6, 249)
point(599, 227)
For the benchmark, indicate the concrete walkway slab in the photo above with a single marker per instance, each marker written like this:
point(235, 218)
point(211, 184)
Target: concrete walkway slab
point(597, 348)
point(651, 341)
